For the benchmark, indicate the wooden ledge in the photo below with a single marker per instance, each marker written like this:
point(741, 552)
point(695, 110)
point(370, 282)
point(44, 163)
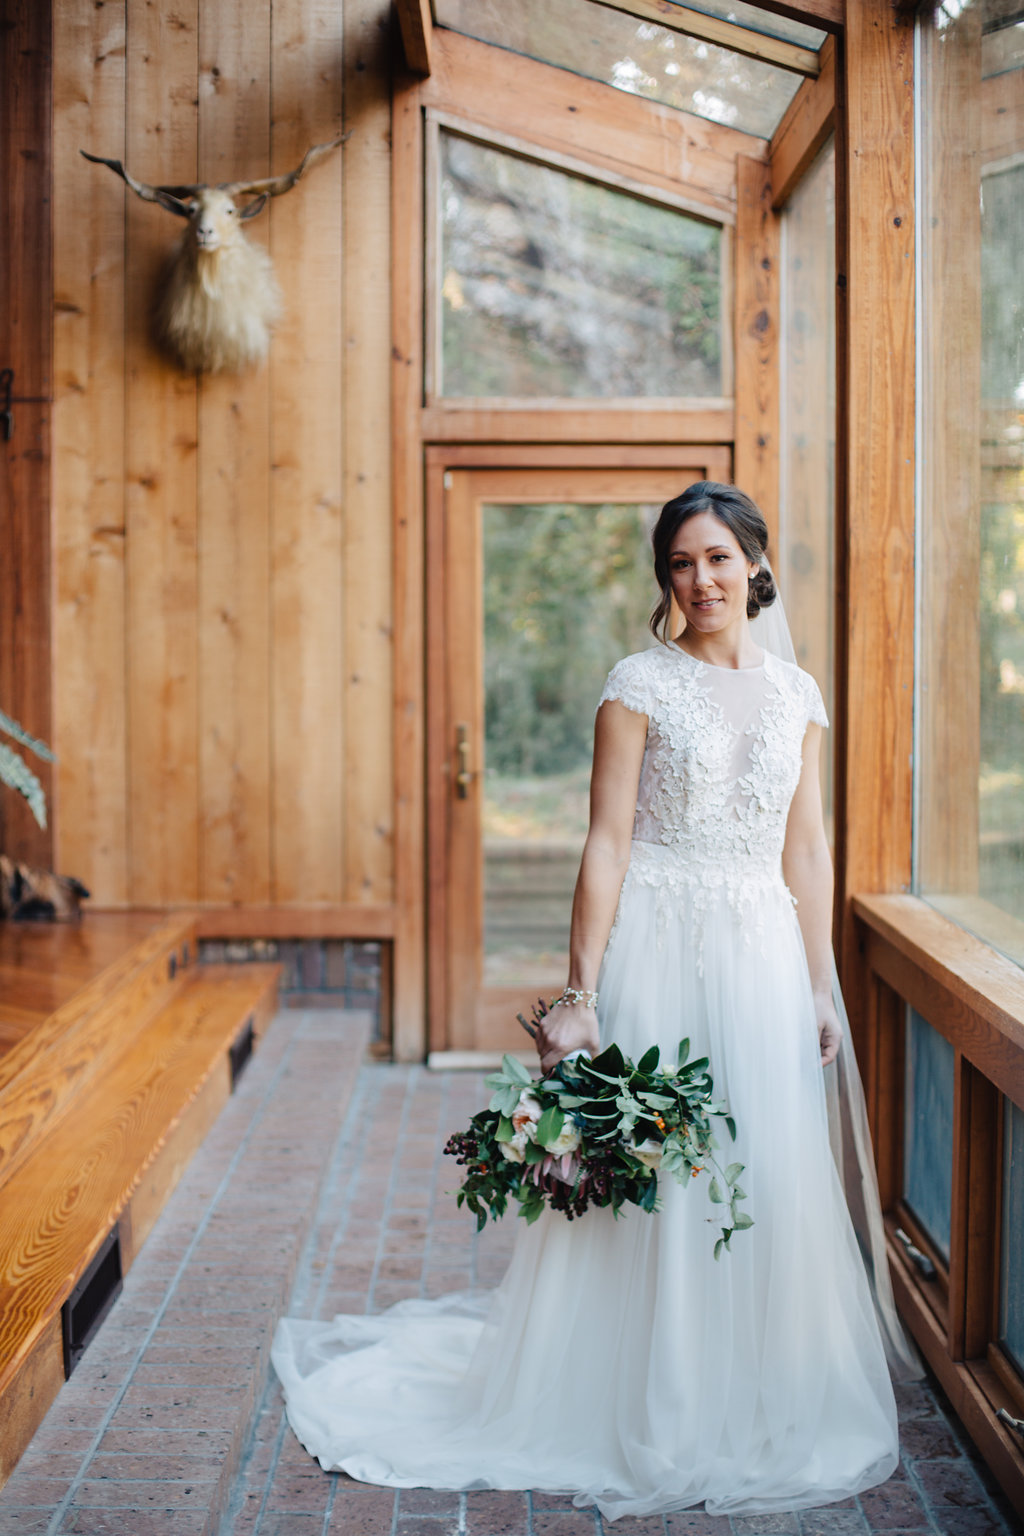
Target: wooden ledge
point(964, 988)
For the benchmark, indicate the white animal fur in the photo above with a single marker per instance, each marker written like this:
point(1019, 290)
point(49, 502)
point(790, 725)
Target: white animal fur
point(219, 300)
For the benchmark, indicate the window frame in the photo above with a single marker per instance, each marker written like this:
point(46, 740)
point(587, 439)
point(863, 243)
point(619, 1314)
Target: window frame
point(437, 121)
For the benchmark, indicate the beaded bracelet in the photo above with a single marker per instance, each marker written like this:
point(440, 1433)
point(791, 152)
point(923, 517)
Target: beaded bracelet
point(574, 995)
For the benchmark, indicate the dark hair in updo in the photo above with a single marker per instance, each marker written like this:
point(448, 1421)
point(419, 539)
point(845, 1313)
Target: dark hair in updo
point(745, 522)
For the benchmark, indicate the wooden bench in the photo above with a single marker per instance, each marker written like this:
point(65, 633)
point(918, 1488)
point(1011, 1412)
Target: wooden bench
point(101, 1107)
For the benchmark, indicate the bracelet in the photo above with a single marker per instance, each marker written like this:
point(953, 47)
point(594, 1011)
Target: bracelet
point(574, 995)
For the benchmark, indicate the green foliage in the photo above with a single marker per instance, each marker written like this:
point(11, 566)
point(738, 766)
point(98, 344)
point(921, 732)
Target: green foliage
point(622, 1114)
point(567, 591)
point(15, 772)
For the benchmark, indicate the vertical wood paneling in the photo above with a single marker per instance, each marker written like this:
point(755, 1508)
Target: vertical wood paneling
point(368, 781)
point(160, 475)
point(756, 463)
point(877, 157)
point(409, 628)
point(25, 346)
point(306, 474)
point(950, 649)
point(88, 460)
point(234, 495)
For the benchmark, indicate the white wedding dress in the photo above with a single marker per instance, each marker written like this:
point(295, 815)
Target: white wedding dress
point(617, 1360)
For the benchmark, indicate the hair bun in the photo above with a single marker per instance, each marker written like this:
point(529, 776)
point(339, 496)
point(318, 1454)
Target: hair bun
point(761, 592)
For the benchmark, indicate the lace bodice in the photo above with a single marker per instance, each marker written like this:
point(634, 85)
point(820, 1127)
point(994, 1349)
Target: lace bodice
point(720, 768)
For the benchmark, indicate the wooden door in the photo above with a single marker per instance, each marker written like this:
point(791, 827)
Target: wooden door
point(539, 578)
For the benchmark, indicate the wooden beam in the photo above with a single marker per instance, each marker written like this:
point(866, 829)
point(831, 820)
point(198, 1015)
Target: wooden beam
point(541, 105)
point(829, 14)
point(757, 339)
point(417, 26)
point(346, 921)
point(875, 166)
point(564, 421)
point(810, 118)
point(724, 34)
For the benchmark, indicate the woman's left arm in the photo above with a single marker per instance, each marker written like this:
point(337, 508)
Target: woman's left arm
point(807, 868)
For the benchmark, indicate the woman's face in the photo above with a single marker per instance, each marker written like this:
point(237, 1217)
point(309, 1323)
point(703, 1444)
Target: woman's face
point(709, 574)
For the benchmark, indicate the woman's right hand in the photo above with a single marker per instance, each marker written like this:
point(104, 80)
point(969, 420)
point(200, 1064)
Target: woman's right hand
point(569, 1027)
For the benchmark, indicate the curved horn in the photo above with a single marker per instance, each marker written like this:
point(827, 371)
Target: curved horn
point(273, 186)
point(168, 197)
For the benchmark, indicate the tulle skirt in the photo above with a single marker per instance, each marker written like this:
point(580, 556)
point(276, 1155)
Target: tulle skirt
point(618, 1360)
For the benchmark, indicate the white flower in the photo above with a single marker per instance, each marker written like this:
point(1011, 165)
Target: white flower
point(567, 1140)
point(514, 1151)
point(526, 1114)
point(649, 1152)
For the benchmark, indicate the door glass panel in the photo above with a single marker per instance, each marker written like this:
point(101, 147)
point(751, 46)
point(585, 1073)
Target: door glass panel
point(568, 588)
point(555, 286)
point(1011, 1286)
point(928, 1129)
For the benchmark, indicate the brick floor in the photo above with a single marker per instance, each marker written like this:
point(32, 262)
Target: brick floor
point(171, 1427)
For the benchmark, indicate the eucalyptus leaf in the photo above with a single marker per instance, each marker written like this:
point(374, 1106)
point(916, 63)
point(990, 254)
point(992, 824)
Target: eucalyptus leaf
point(549, 1126)
point(715, 1193)
point(733, 1172)
point(513, 1068)
point(742, 1221)
point(505, 1101)
point(649, 1060)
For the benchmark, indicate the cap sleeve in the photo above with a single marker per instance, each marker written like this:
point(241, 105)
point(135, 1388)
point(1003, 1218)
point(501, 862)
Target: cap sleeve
point(628, 684)
point(815, 703)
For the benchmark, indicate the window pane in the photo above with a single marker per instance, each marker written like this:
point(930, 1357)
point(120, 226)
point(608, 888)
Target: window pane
point(567, 591)
point(1011, 1281)
point(808, 428)
point(928, 1129)
point(633, 55)
point(552, 285)
point(970, 831)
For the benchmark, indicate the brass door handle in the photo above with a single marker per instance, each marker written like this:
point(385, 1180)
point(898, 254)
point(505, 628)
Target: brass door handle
point(463, 772)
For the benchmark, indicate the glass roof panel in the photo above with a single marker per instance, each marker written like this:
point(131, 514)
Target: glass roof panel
point(632, 55)
point(755, 20)
point(1002, 49)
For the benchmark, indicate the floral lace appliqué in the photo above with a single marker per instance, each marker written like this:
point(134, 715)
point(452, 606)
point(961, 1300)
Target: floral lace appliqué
point(721, 765)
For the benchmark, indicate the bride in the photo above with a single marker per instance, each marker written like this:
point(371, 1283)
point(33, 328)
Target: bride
point(618, 1361)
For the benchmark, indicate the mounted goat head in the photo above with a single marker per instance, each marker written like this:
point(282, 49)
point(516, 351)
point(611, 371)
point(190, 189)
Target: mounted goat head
point(219, 300)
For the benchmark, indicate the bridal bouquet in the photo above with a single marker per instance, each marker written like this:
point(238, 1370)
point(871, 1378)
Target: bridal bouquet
point(596, 1132)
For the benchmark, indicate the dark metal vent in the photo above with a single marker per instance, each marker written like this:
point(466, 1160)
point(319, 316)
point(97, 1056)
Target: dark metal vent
point(91, 1300)
point(241, 1049)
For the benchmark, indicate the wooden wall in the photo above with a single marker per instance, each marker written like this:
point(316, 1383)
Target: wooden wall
point(222, 681)
point(25, 78)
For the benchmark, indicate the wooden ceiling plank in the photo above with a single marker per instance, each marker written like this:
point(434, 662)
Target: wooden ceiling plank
point(416, 25)
point(809, 120)
point(724, 34)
